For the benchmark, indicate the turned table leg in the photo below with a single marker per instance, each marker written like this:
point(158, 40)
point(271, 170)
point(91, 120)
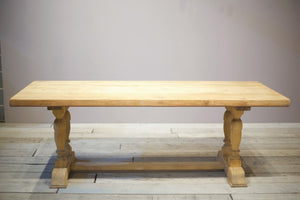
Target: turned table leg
point(224, 154)
point(69, 152)
point(230, 153)
point(65, 155)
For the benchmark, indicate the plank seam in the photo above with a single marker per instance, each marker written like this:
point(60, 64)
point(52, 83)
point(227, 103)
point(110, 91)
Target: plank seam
point(95, 177)
point(34, 153)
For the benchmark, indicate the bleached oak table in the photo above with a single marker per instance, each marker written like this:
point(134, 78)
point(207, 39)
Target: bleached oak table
point(236, 97)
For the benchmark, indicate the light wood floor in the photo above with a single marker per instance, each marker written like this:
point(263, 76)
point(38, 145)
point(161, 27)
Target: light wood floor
point(270, 155)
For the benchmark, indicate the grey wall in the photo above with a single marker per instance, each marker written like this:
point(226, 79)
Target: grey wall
point(151, 40)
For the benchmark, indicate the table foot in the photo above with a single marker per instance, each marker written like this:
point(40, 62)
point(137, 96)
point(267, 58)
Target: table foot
point(59, 178)
point(236, 177)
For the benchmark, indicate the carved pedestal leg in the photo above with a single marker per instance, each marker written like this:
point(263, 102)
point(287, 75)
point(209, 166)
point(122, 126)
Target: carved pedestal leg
point(235, 172)
point(224, 154)
point(70, 153)
point(65, 156)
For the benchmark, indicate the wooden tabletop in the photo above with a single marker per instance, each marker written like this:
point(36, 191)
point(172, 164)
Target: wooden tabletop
point(147, 93)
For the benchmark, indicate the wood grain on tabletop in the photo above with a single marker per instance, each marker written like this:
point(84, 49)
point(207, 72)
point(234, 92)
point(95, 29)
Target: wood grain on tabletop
point(148, 93)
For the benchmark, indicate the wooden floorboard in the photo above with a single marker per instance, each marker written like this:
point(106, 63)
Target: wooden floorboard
point(26, 185)
point(270, 155)
point(266, 196)
point(34, 196)
point(181, 186)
